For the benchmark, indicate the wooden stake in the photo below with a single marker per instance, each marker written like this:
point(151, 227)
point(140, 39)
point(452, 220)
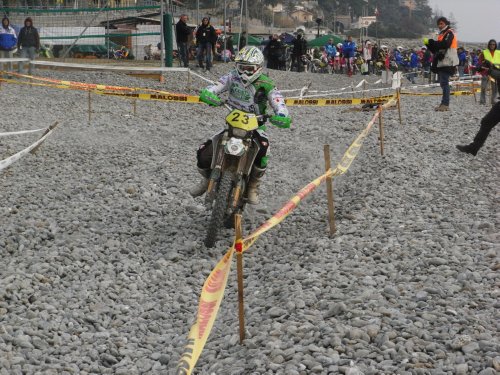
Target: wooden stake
point(239, 267)
point(189, 81)
point(329, 192)
point(398, 90)
point(381, 131)
point(364, 87)
point(90, 107)
point(135, 107)
point(43, 135)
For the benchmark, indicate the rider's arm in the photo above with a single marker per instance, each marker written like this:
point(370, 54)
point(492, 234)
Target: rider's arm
point(281, 118)
point(221, 86)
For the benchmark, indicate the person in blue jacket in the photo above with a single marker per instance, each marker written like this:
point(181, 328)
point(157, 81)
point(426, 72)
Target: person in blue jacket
point(8, 42)
point(413, 66)
point(330, 49)
point(349, 51)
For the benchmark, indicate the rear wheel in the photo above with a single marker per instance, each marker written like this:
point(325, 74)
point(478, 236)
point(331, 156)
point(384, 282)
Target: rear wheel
point(219, 209)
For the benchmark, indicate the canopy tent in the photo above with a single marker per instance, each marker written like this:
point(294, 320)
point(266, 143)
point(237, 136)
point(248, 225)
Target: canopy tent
point(251, 40)
point(322, 40)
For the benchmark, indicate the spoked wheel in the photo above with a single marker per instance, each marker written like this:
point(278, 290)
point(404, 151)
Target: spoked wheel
point(219, 209)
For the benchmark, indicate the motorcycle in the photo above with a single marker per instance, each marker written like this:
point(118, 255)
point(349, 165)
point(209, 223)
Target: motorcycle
point(234, 153)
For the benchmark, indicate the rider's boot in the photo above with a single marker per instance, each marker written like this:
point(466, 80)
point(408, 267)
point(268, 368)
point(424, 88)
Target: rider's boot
point(201, 187)
point(253, 184)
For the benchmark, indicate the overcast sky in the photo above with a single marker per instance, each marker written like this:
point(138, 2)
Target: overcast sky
point(478, 20)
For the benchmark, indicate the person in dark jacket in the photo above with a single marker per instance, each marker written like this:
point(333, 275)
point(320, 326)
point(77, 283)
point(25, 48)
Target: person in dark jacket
point(299, 49)
point(182, 33)
point(205, 41)
point(273, 52)
point(445, 58)
point(488, 122)
point(29, 43)
point(8, 42)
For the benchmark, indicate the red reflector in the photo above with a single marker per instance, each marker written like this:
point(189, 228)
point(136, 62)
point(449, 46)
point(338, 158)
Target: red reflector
point(238, 247)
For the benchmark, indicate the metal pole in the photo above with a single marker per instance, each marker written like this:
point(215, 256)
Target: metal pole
point(246, 21)
point(225, 35)
point(162, 42)
point(197, 12)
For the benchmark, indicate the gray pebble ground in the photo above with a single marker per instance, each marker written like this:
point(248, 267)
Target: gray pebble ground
point(103, 258)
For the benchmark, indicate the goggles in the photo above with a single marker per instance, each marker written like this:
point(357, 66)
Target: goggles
point(247, 68)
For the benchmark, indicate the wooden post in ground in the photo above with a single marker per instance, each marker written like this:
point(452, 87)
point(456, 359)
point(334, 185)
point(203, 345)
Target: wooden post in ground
point(329, 192)
point(238, 244)
point(189, 80)
point(90, 107)
point(398, 91)
point(135, 107)
point(43, 135)
point(381, 130)
point(364, 87)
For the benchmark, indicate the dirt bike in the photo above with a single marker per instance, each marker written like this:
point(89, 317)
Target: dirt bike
point(234, 153)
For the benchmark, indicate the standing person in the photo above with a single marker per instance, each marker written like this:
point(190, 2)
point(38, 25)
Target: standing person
point(462, 61)
point(273, 52)
point(205, 39)
point(426, 62)
point(349, 50)
point(299, 49)
point(251, 91)
point(374, 58)
point(445, 59)
point(488, 122)
point(243, 40)
point(28, 43)
point(182, 34)
point(413, 66)
point(367, 55)
point(488, 61)
point(8, 42)
point(330, 49)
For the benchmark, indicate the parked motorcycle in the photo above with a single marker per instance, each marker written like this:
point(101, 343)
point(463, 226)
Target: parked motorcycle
point(234, 154)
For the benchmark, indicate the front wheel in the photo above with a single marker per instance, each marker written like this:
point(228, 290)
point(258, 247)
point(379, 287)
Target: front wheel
point(219, 209)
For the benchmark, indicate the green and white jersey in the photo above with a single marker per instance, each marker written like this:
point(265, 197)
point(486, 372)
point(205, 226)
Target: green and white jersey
point(253, 98)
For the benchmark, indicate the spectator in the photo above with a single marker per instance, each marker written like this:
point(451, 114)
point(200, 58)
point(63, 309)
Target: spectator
point(413, 66)
point(8, 42)
point(349, 51)
point(273, 52)
point(488, 122)
point(462, 60)
point(367, 55)
point(488, 61)
point(426, 62)
point(330, 49)
point(182, 34)
point(243, 40)
point(29, 43)
point(299, 49)
point(445, 59)
point(205, 41)
point(374, 58)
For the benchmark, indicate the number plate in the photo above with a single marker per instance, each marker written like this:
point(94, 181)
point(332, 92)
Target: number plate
point(242, 120)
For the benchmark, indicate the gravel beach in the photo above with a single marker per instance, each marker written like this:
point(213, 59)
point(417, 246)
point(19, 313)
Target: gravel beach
point(102, 246)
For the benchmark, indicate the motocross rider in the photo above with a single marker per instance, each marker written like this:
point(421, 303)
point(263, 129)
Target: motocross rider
point(249, 90)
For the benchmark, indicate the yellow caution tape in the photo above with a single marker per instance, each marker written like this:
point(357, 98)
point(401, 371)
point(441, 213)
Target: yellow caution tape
point(456, 93)
point(161, 97)
point(336, 101)
point(210, 300)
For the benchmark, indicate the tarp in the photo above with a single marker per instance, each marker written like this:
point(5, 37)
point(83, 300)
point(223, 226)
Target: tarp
point(322, 40)
point(287, 38)
point(251, 40)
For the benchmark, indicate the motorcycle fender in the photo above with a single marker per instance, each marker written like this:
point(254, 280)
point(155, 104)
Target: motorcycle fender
point(218, 150)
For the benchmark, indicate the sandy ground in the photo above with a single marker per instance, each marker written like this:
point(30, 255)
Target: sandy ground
point(103, 256)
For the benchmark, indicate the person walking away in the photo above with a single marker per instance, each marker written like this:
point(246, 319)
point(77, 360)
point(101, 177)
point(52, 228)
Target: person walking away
point(330, 50)
point(462, 60)
point(273, 52)
point(28, 43)
point(488, 122)
point(299, 50)
point(250, 91)
point(182, 34)
point(367, 56)
point(349, 50)
point(489, 61)
point(205, 39)
point(413, 66)
point(445, 58)
point(426, 62)
point(8, 42)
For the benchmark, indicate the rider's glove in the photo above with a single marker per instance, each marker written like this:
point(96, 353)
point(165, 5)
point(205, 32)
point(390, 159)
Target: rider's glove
point(281, 121)
point(426, 41)
point(210, 98)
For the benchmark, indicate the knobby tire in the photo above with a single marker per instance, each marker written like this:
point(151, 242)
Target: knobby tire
point(219, 209)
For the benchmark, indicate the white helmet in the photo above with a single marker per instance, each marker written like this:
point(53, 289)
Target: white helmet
point(249, 61)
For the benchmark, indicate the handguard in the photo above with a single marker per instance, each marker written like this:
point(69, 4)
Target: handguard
point(210, 98)
point(281, 121)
